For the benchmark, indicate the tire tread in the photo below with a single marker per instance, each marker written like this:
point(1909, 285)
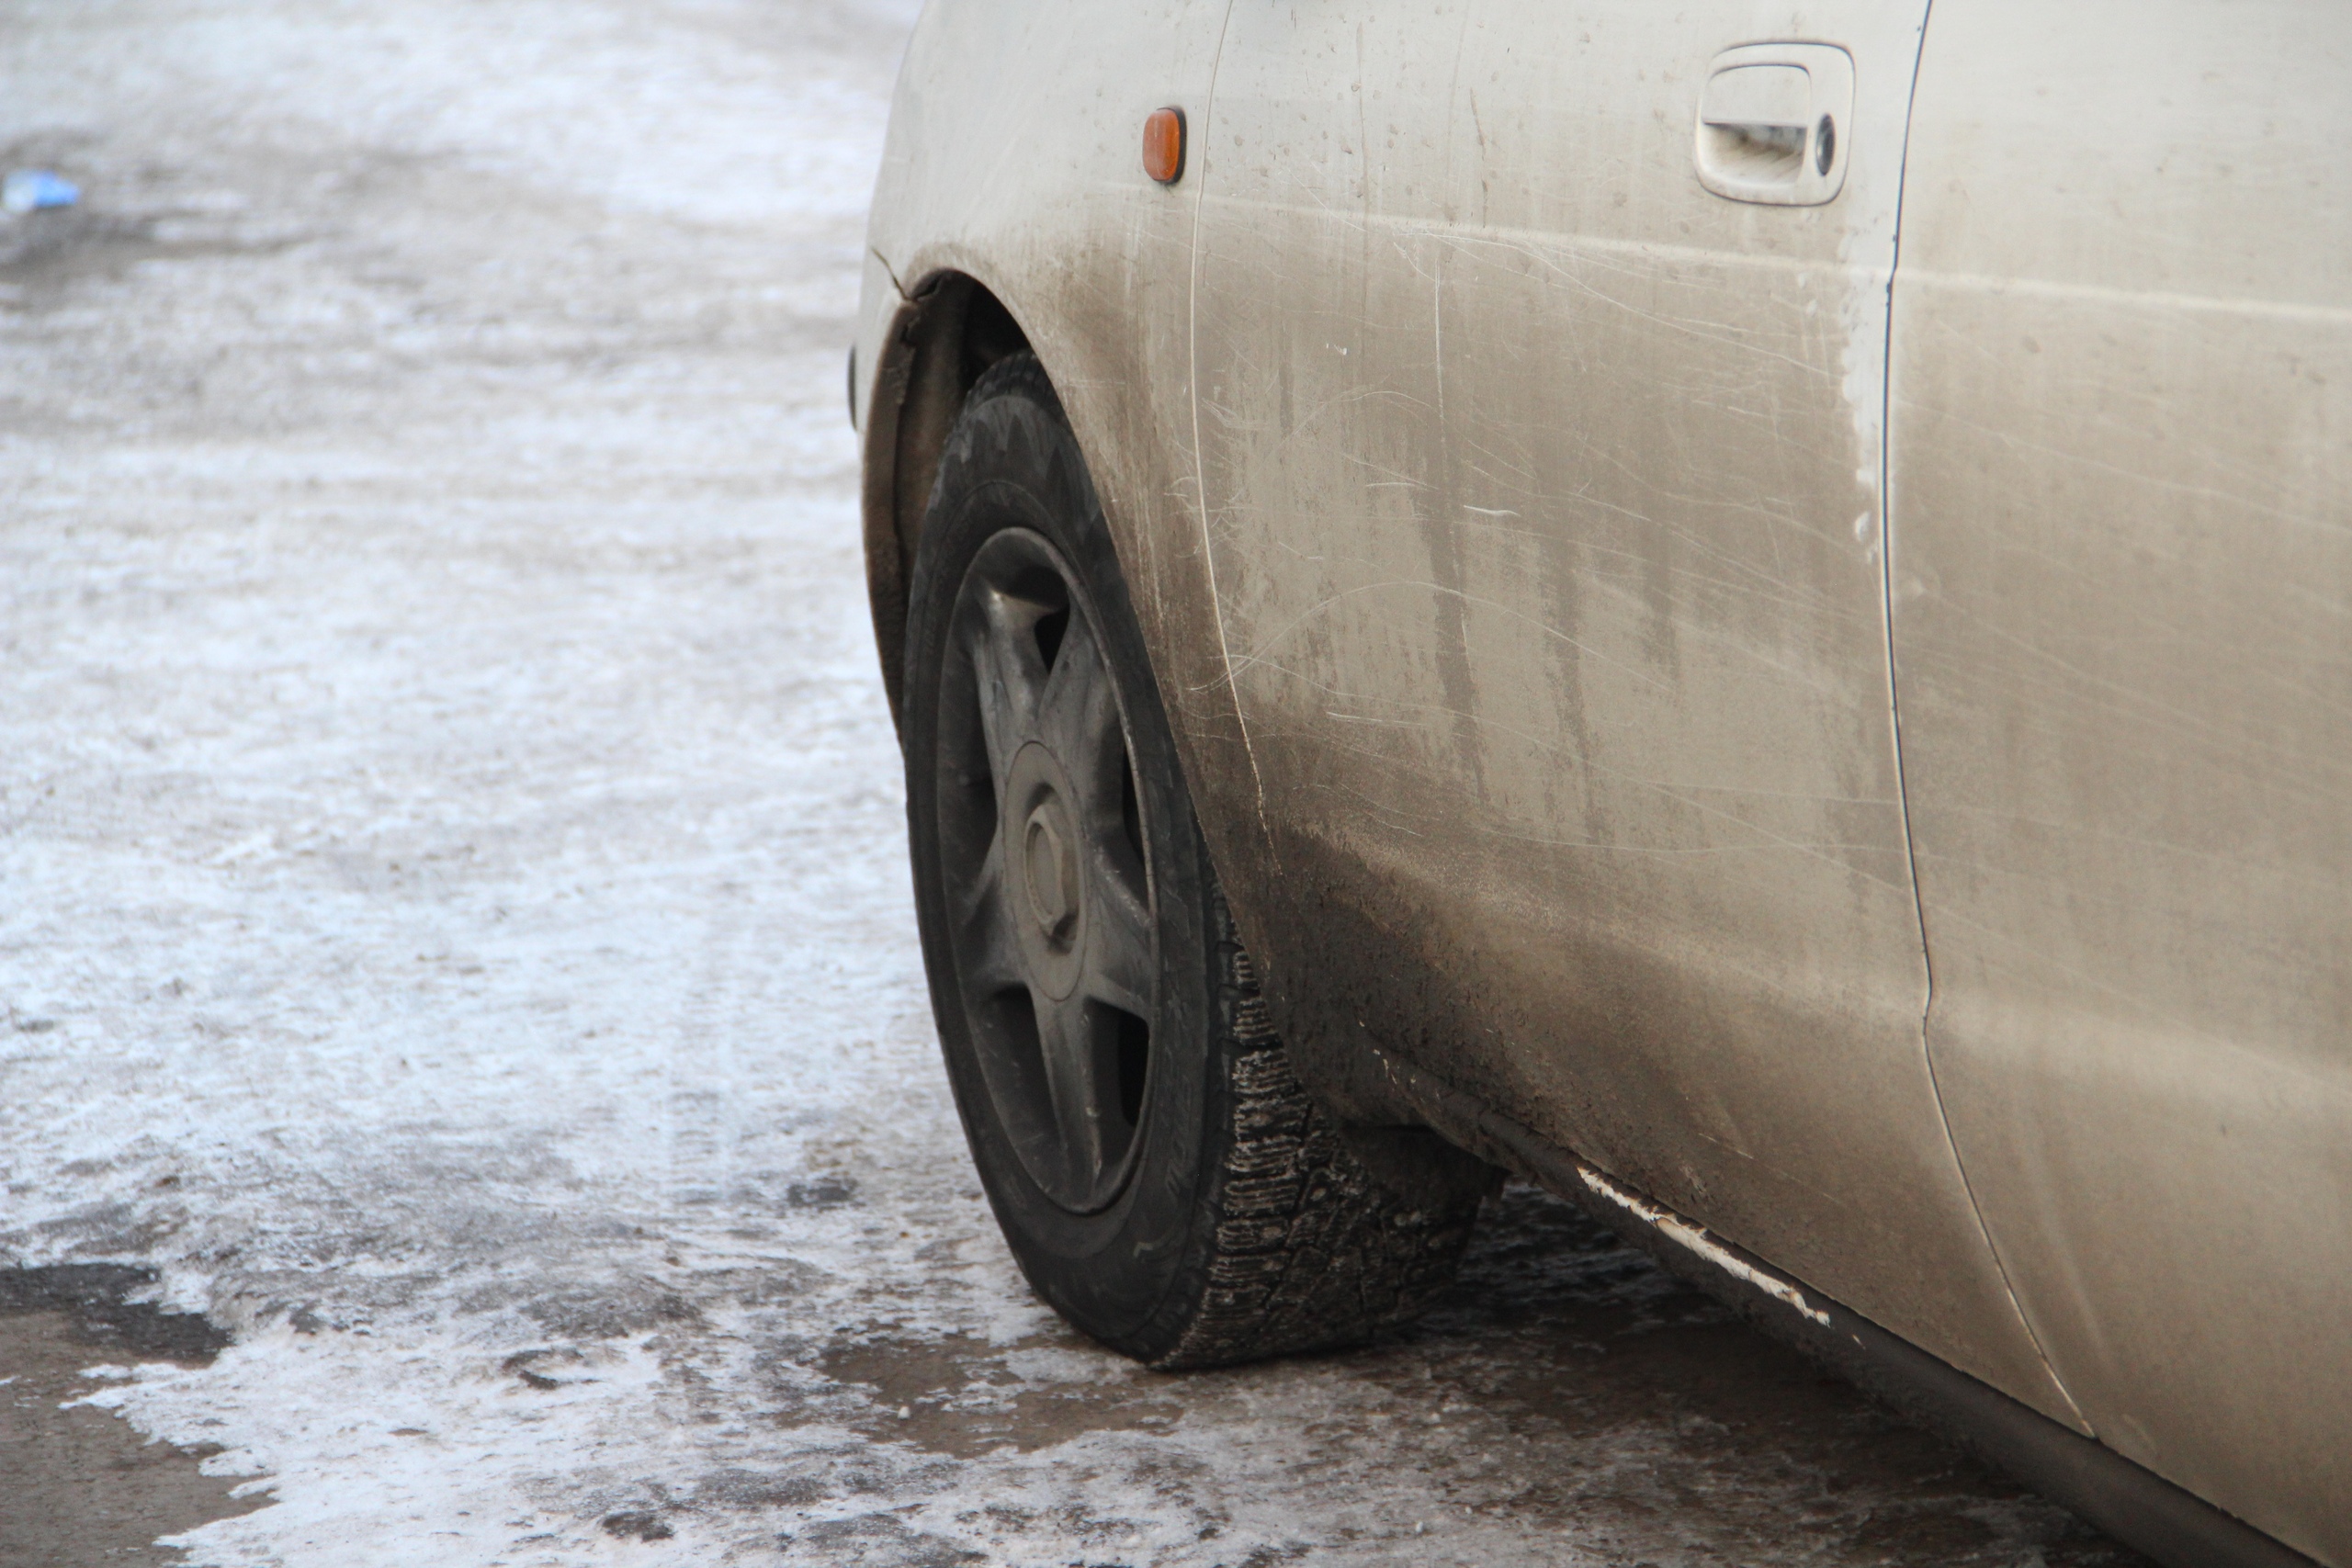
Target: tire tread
point(1311, 1250)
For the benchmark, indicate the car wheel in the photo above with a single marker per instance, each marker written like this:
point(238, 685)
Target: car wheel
point(1163, 1180)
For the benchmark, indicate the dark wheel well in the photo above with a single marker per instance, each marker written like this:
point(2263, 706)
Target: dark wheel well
point(945, 336)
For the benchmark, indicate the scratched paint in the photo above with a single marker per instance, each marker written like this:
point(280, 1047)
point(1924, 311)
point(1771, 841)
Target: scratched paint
point(1552, 632)
point(1690, 1236)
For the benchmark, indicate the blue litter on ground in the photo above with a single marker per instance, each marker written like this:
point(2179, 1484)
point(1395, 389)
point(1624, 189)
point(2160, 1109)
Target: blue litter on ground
point(28, 190)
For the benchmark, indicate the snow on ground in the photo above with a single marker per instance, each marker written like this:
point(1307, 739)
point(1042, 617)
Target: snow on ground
point(455, 912)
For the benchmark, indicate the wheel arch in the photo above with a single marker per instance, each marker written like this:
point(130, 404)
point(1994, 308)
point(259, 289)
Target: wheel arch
point(943, 334)
point(940, 336)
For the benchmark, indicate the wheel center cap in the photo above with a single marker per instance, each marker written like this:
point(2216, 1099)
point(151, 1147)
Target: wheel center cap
point(1044, 864)
point(1053, 871)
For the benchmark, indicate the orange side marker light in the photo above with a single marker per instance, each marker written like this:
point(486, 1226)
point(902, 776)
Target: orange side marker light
point(1163, 145)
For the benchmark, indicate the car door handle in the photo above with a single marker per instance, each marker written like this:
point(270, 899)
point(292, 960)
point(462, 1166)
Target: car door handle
point(1773, 120)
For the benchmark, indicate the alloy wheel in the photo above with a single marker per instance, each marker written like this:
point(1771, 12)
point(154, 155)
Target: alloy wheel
point(1047, 878)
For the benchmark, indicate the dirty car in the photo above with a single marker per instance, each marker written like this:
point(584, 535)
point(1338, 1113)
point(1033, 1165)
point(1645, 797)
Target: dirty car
point(1742, 613)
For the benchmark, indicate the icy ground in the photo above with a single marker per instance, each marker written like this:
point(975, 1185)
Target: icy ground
point(454, 914)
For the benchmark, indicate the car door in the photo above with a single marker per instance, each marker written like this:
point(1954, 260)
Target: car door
point(1539, 421)
point(2121, 439)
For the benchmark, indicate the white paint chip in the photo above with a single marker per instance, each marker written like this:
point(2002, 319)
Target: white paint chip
point(1699, 1241)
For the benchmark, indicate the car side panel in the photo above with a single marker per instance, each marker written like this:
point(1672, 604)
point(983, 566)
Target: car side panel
point(2122, 438)
point(1014, 157)
point(1543, 488)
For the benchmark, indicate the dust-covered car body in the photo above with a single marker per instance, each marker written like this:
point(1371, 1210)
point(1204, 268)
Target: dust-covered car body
point(1755, 607)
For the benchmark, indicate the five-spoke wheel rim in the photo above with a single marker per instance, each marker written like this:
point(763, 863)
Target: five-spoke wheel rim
point(1046, 871)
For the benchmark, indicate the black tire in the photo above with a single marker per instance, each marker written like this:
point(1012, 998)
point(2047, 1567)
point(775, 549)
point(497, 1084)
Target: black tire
point(1159, 1172)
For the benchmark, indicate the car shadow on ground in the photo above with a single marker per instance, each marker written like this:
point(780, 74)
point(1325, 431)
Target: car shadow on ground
point(1566, 1385)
